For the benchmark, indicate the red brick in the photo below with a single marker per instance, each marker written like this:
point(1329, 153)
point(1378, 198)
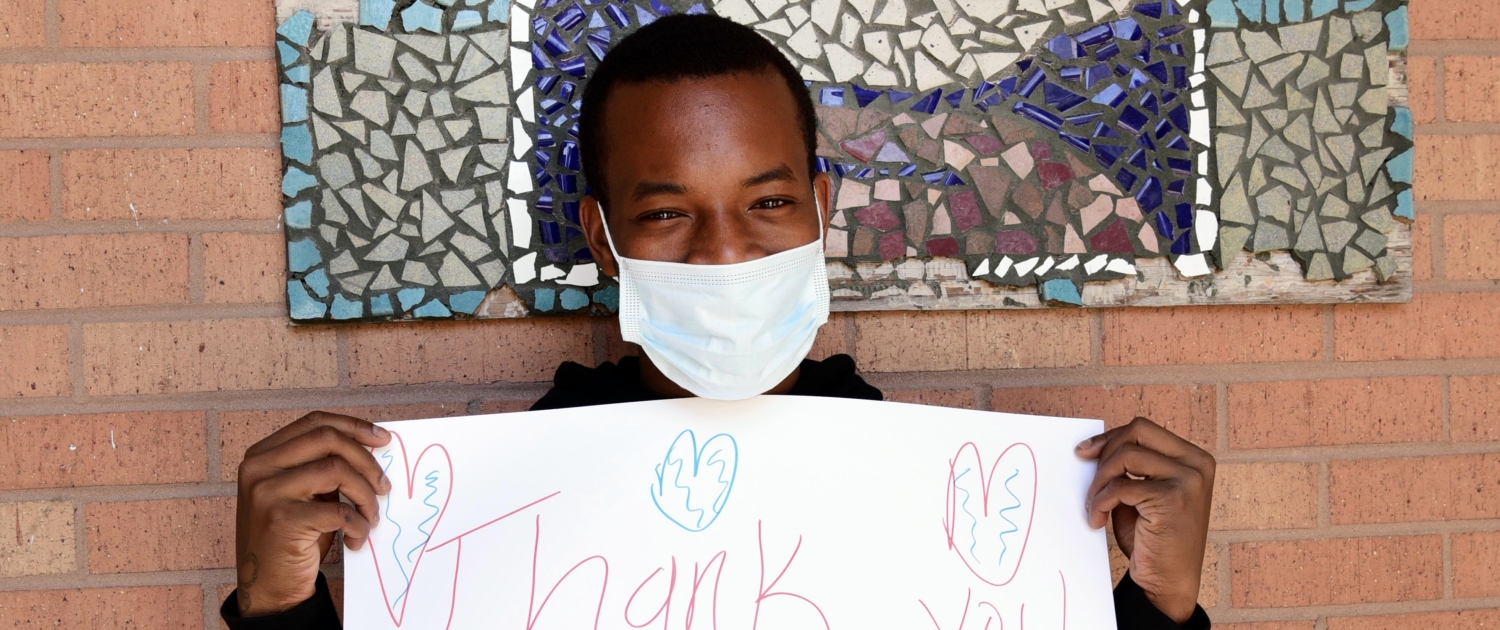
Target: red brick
point(1267, 625)
point(171, 535)
point(959, 398)
point(70, 100)
point(239, 430)
point(1468, 242)
point(33, 361)
point(206, 356)
point(1457, 168)
point(24, 23)
point(467, 352)
point(1335, 411)
point(152, 23)
point(93, 270)
point(1421, 247)
point(25, 177)
point(1187, 410)
point(1270, 495)
point(1432, 326)
point(1475, 557)
point(135, 607)
point(1437, 19)
point(1420, 73)
point(1484, 619)
point(1028, 339)
point(244, 268)
point(1452, 487)
point(43, 542)
point(1336, 571)
point(505, 406)
point(243, 97)
point(910, 341)
point(1223, 334)
point(151, 185)
point(831, 339)
point(1471, 89)
point(1474, 408)
point(102, 450)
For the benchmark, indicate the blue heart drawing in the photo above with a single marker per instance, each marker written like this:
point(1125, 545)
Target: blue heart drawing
point(693, 483)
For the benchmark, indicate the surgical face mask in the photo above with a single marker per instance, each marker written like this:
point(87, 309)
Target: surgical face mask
point(726, 332)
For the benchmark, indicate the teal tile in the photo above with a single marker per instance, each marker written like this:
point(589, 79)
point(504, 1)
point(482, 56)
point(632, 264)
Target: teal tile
point(1357, 5)
point(376, 13)
point(287, 53)
point(302, 255)
point(1223, 14)
point(466, 302)
point(318, 282)
point(299, 215)
point(433, 309)
point(293, 103)
point(345, 309)
point(1404, 207)
point(499, 11)
point(299, 74)
point(296, 143)
point(544, 300)
point(608, 297)
point(380, 306)
point(1396, 23)
point(466, 20)
point(1400, 167)
point(410, 297)
point(296, 181)
point(1061, 291)
point(1296, 10)
point(1401, 123)
point(302, 305)
point(422, 16)
point(1253, 9)
point(573, 299)
point(297, 28)
point(1321, 8)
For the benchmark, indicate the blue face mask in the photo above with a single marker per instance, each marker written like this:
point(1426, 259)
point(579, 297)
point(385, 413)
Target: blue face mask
point(726, 332)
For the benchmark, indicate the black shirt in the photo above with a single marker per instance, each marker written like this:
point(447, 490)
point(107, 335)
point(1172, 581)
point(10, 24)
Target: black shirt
point(577, 386)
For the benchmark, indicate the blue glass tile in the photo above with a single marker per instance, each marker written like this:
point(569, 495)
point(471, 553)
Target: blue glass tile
point(1150, 196)
point(570, 212)
point(573, 299)
point(1038, 115)
point(376, 13)
point(952, 179)
point(556, 254)
point(551, 232)
point(907, 171)
point(297, 28)
point(1177, 187)
point(864, 173)
point(318, 282)
point(1137, 159)
point(299, 215)
point(643, 16)
point(1078, 142)
point(823, 164)
point(1184, 215)
point(543, 157)
point(1083, 119)
point(296, 143)
point(984, 88)
point(986, 104)
point(933, 177)
point(345, 309)
point(608, 297)
point(1145, 141)
point(1159, 70)
point(567, 183)
point(539, 59)
point(570, 17)
point(1128, 28)
point(433, 309)
point(1400, 166)
point(1060, 98)
point(595, 21)
point(1404, 206)
point(539, 25)
point(1103, 130)
point(831, 96)
point(1180, 77)
point(617, 14)
point(1163, 128)
point(1071, 73)
point(842, 169)
point(1024, 64)
point(1107, 51)
point(555, 45)
point(296, 181)
point(1111, 96)
point(598, 44)
point(1061, 290)
point(863, 96)
point(583, 254)
point(1172, 8)
point(570, 158)
point(380, 306)
point(1137, 79)
point(287, 54)
point(466, 20)
point(466, 302)
point(955, 98)
point(499, 11)
point(1065, 47)
point(1149, 9)
point(1132, 119)
point(1126, 178)
point(544, 300)
point(1183, 245)
point(300, 304)
point(1162, 222)
point(927, 104)
point(293, 103)
point(1097, 35)
point(1181, 166)
point(1143, 55)
point(696, 9)
point(1007, 87)
point(1031, 84)
point(1179, 117)
point(422, 16)
point(1094, 74)
point(299, 74)
point(302, 255)
point(573, 65)
point(551, 105)
point(1148, 101)
point(409, 298)
point(1108, 154)
point(1171, 49)
point(1179, 143)
point(659, 8)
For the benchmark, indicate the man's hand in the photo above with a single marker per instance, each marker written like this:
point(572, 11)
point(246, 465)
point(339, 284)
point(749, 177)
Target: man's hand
point(289, 505)
point(1157, 487)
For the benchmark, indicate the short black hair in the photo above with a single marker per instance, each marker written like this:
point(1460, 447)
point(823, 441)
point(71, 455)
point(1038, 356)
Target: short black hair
point(677, 47)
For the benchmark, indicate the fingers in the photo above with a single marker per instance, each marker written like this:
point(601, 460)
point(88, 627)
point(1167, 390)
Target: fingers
point(321, 442)
point(326, 517)
point(1145, 433)
point(1123, 491)
point(1133, 461)
point(304, 483)
point(361, 431)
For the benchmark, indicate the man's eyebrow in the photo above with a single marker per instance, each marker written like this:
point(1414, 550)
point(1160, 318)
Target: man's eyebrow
point(781, 173)
point(648, 188)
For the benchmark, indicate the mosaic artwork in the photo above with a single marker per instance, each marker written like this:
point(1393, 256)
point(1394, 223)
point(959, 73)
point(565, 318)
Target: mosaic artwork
point(985, 153)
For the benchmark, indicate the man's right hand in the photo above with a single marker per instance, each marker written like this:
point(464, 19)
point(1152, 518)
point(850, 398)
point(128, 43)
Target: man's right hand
point(289, 505)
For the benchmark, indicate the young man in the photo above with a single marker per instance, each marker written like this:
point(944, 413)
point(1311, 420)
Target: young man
point(698, 140)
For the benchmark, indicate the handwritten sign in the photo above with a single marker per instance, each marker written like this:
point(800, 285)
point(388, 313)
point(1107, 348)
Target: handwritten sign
point(774, 513)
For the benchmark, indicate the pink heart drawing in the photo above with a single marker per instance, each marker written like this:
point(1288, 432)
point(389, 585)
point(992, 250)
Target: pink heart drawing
point(408, 517)
point(989, 512)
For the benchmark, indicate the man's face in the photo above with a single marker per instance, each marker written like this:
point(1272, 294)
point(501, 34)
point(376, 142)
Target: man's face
point(704, 171)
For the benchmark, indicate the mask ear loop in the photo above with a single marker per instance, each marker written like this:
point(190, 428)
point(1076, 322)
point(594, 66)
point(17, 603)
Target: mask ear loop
point(609, 239)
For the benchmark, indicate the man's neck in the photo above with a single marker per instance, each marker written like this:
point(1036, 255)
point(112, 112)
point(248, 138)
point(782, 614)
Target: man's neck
point(662, 386)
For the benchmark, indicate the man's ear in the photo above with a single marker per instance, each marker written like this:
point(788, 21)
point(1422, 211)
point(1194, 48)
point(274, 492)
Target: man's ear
point(823, 188)
point(591, 219)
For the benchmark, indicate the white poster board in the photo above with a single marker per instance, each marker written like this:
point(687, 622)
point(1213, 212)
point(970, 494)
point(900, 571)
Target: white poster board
point(776, 513)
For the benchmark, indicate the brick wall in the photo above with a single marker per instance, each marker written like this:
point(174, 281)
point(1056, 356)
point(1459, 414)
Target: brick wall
point(143, 346)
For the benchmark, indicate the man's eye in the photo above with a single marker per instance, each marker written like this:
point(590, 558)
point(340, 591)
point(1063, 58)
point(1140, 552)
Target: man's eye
point(771, 204)
point(659, 215)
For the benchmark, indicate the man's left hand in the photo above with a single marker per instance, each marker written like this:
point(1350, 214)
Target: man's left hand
point(1158, 489)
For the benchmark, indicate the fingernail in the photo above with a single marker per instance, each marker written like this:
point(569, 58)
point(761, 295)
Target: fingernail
point(1084, 444)
point(379, 431)
point(385, 484)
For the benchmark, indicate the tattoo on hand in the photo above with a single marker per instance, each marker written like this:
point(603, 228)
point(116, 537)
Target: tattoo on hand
point(252, 565)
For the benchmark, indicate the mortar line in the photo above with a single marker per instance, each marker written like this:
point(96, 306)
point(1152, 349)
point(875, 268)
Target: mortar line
point(984, 397)
point(210, 605)
point(1325, 500)
point(54, 53)
point(55, 184)
point(63, 581)
point(195, 272)
point(144, 313)
point(1458, 129)
point(52, 27)
point(1458, 207)
point(208, 141)
point(257, 400)
point(1447, 565)
point(1414, 529)
point(1453, 47)
point(116, 494)
point(69, 228)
